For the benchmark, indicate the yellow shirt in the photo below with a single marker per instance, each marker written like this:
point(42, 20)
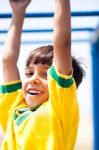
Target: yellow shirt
point(50, 126)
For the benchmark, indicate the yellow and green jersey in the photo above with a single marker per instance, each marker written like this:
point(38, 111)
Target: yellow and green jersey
point(49, 126)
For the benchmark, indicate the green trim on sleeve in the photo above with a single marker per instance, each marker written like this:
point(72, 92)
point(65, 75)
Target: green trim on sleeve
point(10, 88)
point(65, 83)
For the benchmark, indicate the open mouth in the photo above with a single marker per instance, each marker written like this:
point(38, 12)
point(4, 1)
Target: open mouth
point(34, 92)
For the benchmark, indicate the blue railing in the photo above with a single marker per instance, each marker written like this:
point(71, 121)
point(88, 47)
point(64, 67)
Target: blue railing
point(50, 30)
point(50, 14)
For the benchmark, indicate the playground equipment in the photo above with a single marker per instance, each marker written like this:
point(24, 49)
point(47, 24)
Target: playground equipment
point(95, 77)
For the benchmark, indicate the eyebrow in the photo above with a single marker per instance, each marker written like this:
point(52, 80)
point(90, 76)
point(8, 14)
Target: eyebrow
point(46, 67)
point(28, 68)
point(42, 66)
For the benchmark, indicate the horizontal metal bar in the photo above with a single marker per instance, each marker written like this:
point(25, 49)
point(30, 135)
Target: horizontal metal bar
point(49, 41)
point(50, 30)
point(51, 14)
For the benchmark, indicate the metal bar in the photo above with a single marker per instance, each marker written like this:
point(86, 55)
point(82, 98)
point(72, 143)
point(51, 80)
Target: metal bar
point(49, 41)
point(50, 30)
point(95, 83)
point(51, 14)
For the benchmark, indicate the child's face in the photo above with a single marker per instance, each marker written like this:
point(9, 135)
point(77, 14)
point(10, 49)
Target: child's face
point(34, 85)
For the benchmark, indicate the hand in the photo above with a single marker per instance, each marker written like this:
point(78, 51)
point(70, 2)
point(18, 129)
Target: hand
point(19, 6)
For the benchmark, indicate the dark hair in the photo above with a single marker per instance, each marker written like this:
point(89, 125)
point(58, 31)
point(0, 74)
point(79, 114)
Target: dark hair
point(78, 71)
point(44, 55)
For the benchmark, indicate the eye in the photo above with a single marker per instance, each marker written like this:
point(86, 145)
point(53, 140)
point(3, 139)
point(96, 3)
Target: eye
point(44, 75)
point(29, 74)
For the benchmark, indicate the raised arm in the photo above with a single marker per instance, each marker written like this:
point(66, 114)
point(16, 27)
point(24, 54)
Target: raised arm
point(62, 37)
point(12, 45)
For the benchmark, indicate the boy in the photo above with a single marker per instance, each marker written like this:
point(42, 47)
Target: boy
point(44, 114)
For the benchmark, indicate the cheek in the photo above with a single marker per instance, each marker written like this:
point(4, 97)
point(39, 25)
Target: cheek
point(24, 86)
point(46, 95)
point(46, 86)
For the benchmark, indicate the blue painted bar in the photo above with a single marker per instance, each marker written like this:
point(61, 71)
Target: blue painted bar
point(51, 14)
point(50, 30)
point(49, 41)
point(95, 81)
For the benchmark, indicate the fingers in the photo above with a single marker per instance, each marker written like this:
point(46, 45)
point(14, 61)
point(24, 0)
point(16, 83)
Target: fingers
point(20, 0)
point(14, 0)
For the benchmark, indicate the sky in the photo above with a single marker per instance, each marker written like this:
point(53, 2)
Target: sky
point(79, 49)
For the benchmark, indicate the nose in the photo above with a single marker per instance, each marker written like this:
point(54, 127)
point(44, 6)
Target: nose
point(35, 79)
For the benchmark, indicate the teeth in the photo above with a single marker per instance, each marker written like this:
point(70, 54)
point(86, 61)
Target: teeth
point(34, 92)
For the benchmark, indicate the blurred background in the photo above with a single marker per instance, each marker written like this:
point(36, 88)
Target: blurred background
point(81, 49)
